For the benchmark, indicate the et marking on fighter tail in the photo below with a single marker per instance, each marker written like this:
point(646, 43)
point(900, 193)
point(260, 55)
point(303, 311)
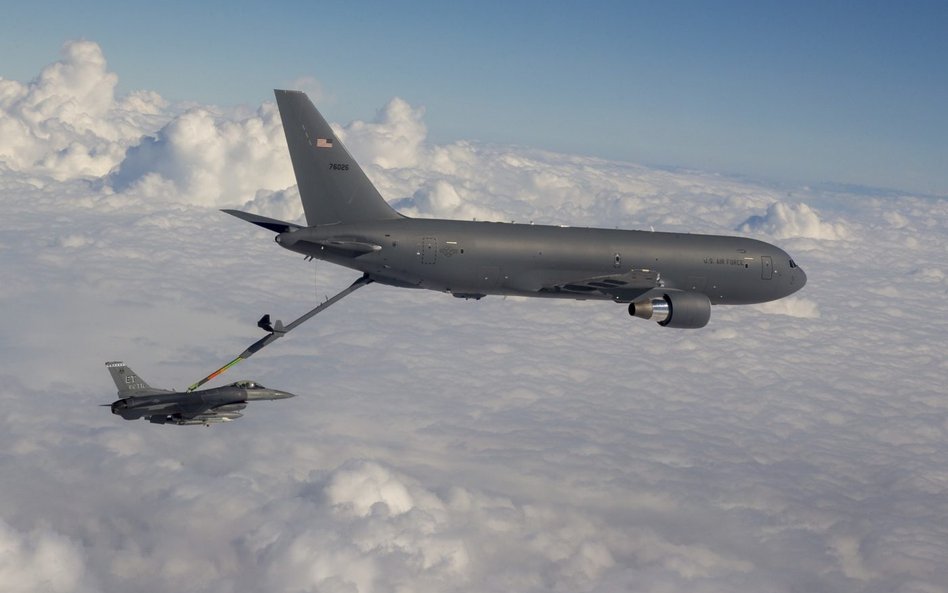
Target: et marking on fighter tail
point(671, 278)
point(162, 406)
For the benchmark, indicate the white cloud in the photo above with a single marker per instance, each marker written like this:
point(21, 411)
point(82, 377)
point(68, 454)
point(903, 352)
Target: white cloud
point(793, 306)
point(785, 221)
point(42, 560)
point(66, 123)
point(206, 159)
point(441, 199)
point(369, 488)
point(438, 444)
point(393, 139)
point(282, 204)
point(312, 87)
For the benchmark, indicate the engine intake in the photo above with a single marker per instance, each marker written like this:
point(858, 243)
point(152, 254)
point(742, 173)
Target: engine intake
point(675, 308)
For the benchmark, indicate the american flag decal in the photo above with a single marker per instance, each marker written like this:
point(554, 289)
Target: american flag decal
point(323, 143)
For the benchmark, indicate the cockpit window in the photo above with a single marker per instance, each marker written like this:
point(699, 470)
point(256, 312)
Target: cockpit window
point(792, 265)
point(249, 385)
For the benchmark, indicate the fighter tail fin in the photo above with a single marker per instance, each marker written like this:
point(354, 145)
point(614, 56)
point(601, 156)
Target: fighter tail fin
point(127, 381)
point(333, 187)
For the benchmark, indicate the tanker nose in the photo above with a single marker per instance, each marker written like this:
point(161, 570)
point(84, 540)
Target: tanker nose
point(797, 277)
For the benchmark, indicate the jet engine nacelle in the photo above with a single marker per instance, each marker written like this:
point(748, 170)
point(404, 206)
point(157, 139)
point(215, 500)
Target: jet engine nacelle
point(675, 308)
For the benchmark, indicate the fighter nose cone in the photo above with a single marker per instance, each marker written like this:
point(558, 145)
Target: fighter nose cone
point(271, 394)
point(797, 279)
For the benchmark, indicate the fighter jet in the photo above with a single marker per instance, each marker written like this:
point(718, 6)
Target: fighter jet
point(162, 406)
point(671, 278)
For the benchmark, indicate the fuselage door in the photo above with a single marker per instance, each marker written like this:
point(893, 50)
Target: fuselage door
point(429, 250)
point(767, 267)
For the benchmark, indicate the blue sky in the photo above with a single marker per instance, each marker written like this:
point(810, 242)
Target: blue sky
point(816, 91)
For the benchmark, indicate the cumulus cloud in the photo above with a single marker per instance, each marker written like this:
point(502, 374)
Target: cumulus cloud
point(398, 534)
point(210, 160)
point(395, 138)
point(785, 221)
point(793, 306)
point(438, 444)
point(41, 560)
point(369, 488)
point(66, 122)
point(441, 199)
point(281, 204)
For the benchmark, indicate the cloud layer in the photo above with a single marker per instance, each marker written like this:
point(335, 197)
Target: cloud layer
point(439, 444)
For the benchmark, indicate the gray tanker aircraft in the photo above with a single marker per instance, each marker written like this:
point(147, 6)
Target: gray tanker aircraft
point(671, 278)
point(162, 406)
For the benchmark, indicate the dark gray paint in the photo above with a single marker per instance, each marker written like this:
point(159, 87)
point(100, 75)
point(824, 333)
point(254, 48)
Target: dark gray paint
point(162, 406)
point(670, 277)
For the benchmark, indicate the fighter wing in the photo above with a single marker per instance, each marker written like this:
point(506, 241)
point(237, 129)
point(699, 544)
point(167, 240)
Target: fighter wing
point(214, 416)
point(201, 415)
point(622, 288)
